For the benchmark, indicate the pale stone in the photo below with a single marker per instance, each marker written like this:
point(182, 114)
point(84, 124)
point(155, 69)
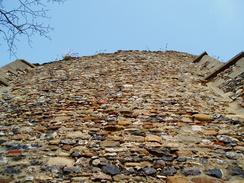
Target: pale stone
point(186, 119)
point(153, 138)
point(196, 128)
point(101, 176)
point(177, 179)
point(171, 144)
point(118, 149)
point(78, 134)
point(124, 122)
point(138, 165)
point(134, 138)
point(202, 117)
point(62, 118)
point(210, 132)
point(60, 161)
point(153, 144)
point(206, 180)
point(43, 178)
point(109, 143)
point(54, 142)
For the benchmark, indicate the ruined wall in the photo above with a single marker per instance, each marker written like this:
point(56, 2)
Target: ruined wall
point(207, 64)
point(231, 80)
point(12, 70)
point(228, 77)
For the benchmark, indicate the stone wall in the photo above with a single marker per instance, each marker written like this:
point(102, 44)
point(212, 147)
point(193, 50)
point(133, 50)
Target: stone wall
point(231, 80)
point(207, 64)
point(228, 77)
point(12, 70)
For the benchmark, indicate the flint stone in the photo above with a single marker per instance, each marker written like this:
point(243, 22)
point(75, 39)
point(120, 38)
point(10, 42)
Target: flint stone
point(168, 171)
point(217, 173)
point(68, 170)
point(227, 139)
point(11, 170)
point(191, 171)
point(232, 155)
point(149, 171)
point(236, 171)
point(111, 169)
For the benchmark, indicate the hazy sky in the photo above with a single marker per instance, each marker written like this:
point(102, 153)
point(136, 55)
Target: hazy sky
point(90, 26)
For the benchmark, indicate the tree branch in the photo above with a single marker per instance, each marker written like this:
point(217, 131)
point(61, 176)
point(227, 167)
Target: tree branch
point(23, 20)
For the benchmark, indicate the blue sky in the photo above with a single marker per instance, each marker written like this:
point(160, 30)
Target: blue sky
point(86, 27)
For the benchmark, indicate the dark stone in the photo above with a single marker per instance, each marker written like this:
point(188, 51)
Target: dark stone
point(156, 118)
point(214, 173)
point(159, 151)
point(15, 130)
point(111, 169)
point(149, 171)
point(191, 171)
point(35, 162)
point(76, 154)
point(68, 170)
point(181, 159)
point(2, 141)
point(23, 147)
point(235, 171)
point(130, 171)
point(167, 158)
point(14, 146)
point(112, 128)
point(19, 157)
point(97, 137)
point(138, 133)
point(33, 122)
point(136, 158)
point(11, 170)
point(36, 145)
point(168, 171)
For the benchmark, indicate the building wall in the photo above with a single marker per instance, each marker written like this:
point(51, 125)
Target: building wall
point(231, 80)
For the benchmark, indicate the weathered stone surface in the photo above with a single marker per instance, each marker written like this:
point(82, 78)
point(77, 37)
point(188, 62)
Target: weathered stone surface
point(101, 176)
point(109, 143)
point(149, 171)
point(177, 179)
point(236, 171)
point(111, 169)
point(153, 138)
point(5, 180)
point(205, 180)
point(60, 161)
point(227, 139)
point(168, 171)
point(131, 116)
point(138, 165)
point(124, 122)
point(214, 173)
point(191, 171)
point(202, 117)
